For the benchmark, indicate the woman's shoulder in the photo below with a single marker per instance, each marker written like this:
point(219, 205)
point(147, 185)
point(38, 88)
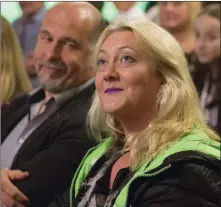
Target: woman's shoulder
point(195, 170)
point(193, 180)
point(198, 171)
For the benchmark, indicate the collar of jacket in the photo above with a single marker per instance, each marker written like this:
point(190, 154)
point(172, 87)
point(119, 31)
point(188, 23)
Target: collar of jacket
point(195, 141)
point(36, 95)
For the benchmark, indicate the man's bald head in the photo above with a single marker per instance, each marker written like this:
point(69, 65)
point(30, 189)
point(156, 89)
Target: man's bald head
point(82, 12)
point(65, 44)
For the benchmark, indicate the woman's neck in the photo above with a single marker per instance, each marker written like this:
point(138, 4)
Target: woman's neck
point(136, 122)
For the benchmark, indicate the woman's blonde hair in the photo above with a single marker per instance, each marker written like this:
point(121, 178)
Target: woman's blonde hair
point(178, 103)
point(14, 78)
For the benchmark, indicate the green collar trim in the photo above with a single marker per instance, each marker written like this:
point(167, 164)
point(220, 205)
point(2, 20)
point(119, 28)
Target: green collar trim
point(196, 141)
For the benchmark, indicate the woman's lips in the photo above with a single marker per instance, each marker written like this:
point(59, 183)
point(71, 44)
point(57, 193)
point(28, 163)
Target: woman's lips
point(113, 90)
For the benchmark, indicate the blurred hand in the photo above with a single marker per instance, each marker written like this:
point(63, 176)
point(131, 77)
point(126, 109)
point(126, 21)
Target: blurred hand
point(11, 196)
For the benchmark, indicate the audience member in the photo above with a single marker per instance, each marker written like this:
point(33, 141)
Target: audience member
point(27, 28)
point(208, 75)
point(178, 19)
point(159, 141)
point(153, 14)
point(119, 9)
point(14, 78)
point(46, 136)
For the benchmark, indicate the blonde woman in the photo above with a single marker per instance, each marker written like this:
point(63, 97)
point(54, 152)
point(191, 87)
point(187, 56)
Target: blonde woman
point(178, 19)
point(160, 152)
point(14, 79)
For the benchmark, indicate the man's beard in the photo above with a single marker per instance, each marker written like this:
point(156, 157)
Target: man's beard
point(52, 86)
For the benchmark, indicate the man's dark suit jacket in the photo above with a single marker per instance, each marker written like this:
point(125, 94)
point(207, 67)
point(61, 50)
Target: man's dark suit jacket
point(54, 150)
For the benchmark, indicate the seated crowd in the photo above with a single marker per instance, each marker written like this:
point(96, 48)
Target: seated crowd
point(126, 110)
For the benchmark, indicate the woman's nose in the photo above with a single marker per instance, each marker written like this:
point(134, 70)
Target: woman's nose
point(111, 73)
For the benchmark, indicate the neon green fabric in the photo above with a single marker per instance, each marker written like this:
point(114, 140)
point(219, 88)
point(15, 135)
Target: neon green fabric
point(87, 162)
point(196, 141)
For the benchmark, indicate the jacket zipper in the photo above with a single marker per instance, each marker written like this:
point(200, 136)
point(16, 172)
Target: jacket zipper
point(147, 176)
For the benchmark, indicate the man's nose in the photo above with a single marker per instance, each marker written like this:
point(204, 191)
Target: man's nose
point(53, 51)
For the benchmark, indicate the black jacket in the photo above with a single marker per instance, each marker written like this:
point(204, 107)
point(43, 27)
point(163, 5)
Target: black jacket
point(54, 150)
point(192, 181)
point(199, 77)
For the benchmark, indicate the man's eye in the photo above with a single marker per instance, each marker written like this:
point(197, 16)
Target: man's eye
point(71, 46)
point(127, 59)
point(46, 39)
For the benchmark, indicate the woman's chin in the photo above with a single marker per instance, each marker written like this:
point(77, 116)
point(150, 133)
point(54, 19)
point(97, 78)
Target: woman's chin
point(112, 107)
point(204, 60)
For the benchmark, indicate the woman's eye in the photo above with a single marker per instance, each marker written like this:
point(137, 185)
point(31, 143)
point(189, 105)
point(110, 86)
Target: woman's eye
point(197, 34)
point(211, 37)
point(127, 59)
point(101, 62)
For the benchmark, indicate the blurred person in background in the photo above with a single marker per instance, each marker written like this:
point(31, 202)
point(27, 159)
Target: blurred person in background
point(119, 9)
point(178, 18)
point(14, 77)
point(27, 28)
point(207, 77)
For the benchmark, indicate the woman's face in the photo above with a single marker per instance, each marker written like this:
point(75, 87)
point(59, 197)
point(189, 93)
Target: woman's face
point(207, 31)
point(126, 79)
point(174, 15)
